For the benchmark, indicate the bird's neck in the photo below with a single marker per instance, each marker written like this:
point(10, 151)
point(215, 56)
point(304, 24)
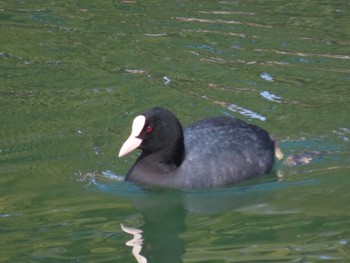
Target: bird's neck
point(172, 155)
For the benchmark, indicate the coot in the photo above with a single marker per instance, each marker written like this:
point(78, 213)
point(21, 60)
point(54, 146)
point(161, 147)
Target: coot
point(212, 152)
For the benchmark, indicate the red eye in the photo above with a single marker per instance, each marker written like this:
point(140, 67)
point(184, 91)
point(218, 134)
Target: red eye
point(149, 129)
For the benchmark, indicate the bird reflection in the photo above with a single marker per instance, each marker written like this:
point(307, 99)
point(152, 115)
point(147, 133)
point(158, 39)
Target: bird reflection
point(163, 223)
point(164, 217)
point(136, 242)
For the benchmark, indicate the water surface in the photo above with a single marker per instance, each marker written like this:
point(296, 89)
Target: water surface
point(75, 73)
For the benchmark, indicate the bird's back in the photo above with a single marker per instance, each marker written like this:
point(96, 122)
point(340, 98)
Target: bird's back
point(223, 150)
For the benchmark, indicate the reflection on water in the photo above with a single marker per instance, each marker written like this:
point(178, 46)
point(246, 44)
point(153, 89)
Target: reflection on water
point(136, 242)
point(266, 76)
point(270, 96)
point(344, 133)
point(164, 222)
point(246, 112)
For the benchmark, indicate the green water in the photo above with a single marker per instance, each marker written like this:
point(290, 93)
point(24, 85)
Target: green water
point(73, 74)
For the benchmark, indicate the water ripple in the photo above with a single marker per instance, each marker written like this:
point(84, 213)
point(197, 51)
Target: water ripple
point(270, 96)
point(246, 112)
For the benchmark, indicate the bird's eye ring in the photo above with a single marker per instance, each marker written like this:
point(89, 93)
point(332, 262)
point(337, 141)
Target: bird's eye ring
point(149, 129)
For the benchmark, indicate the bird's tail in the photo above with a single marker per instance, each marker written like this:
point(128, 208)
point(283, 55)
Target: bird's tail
point(278, 152)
